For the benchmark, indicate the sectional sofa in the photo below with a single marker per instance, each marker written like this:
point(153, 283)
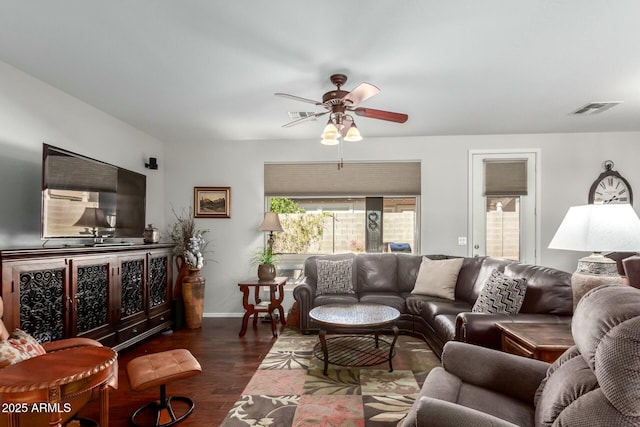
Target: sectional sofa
point(390, 278)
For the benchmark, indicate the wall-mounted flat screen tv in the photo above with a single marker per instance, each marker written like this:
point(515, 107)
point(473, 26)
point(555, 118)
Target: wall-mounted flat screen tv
point(84, 197)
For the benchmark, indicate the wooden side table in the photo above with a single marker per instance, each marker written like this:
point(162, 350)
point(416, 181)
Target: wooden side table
point(541, 341)
point(52, 377)
point(276, 295)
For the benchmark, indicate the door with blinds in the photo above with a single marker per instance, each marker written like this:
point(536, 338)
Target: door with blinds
point(503, 201)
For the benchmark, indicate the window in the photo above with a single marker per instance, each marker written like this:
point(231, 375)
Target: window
point(362, 207)
point(325, 225)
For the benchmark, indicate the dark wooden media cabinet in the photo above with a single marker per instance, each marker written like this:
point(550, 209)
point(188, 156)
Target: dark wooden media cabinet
point(118, 295)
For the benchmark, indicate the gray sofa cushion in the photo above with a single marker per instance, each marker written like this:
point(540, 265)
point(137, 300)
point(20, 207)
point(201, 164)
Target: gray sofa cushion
point(444, 386)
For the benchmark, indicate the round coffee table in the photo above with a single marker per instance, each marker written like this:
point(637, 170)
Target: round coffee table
point(361, 319)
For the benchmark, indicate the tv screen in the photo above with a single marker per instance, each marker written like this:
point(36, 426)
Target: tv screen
point(83, 197)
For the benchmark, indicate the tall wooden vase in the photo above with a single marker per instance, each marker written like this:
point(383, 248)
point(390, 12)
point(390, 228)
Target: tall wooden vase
point(193, 296)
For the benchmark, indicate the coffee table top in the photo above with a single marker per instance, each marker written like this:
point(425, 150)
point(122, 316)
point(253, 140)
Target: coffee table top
point(353, 315)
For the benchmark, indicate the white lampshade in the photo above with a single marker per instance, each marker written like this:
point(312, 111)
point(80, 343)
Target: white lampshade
point(599, 228)
point(329, 141)
point(330, 131)
point(353, 134)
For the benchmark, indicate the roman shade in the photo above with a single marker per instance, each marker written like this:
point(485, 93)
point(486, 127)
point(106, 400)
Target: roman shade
point(505, 177)
point(354, 179)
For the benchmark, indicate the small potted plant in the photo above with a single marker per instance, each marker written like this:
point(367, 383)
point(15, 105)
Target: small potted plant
point(266, 261)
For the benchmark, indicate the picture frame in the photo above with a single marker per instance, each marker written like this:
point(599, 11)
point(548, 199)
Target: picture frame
point(212, 202)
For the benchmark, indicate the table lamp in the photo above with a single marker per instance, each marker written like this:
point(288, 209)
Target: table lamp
point(597, 228)
point(271, 223)
point(93, 218)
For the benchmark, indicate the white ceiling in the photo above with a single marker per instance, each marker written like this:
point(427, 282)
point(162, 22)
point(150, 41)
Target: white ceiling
point(206, 70)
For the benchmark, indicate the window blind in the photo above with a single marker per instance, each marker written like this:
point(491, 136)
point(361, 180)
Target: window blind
point(505, 177)
point(354, 179)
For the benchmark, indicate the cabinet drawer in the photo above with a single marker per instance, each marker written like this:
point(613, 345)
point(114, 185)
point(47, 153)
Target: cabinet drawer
point(514, 347)
point(159, 319)
point(132, 331)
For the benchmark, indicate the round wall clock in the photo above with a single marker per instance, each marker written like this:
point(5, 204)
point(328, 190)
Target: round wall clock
point(610, 187)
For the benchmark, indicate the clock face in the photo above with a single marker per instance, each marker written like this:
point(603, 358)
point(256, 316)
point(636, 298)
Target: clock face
point(611, 189)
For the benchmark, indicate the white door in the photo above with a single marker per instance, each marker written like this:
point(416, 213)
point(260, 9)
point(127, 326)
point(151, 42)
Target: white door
point(503, 226)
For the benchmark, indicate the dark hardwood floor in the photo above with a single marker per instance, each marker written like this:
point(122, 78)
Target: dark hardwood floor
point(228, 363)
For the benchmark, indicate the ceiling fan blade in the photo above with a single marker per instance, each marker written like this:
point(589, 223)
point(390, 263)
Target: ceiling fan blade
point(381, 115)
point(298, 98)
point(304, 119)
point(360, 93)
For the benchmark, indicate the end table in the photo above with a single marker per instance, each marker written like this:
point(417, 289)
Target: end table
point(542, 341)
point(276, 295)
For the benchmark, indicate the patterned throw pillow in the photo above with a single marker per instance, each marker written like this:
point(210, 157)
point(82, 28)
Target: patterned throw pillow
point(501, 294)
point(334, 277)
point(18, 347)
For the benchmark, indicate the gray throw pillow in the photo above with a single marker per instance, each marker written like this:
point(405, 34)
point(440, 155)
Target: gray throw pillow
point(501, 294)
point(334, 277)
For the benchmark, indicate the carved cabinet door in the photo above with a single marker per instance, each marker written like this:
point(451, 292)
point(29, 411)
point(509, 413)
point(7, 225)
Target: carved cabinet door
point(132, 274)
point(92, 288)
point(35, 296)
point(159, 279)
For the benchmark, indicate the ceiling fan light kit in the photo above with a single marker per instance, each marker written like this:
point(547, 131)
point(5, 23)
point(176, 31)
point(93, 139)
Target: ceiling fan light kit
point(338, 103)
point(353, 134)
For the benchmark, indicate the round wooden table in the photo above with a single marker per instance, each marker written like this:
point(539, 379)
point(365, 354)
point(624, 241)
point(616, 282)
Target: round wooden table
point(361, 318)
point(42, 383)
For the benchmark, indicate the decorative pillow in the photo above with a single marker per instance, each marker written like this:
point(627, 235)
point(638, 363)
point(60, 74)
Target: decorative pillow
point(501, 294)
point(334, 277)
point(18, 347)
point(438, 278)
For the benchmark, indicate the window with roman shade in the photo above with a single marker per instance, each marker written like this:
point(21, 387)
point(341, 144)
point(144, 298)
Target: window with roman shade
point(344, 198)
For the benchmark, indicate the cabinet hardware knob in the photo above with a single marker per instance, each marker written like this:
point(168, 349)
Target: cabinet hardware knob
point(135, 331)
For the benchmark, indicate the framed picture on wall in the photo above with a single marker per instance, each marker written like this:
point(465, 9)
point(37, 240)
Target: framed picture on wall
point(212, 202)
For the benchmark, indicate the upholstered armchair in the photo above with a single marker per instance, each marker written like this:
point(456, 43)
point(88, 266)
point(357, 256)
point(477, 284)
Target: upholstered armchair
point(76, 403)
point(594, 383)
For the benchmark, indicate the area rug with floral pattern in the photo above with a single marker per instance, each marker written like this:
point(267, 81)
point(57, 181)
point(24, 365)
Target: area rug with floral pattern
point(289, 388)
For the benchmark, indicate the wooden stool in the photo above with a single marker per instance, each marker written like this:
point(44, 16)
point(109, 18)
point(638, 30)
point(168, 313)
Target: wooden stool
point(159, 369)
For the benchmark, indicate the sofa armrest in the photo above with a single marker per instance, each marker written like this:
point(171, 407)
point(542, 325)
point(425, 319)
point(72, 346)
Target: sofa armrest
point(480, 328)
point(304, 293)
point(69, 343)
point(498, 371)
point(440, 413)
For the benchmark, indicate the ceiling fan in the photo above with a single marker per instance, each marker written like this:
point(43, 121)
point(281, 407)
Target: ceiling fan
point(338, 104)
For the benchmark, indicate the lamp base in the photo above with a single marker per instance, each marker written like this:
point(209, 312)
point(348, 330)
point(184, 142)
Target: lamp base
point(598, 265)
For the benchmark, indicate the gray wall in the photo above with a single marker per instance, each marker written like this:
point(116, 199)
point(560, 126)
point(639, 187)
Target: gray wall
point(569, 163)
point(32, 112)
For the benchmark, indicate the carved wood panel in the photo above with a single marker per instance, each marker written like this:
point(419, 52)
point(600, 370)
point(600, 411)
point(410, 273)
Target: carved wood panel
point(92, 297)
point(157, 281)
point(131, 281)
point(41, 303)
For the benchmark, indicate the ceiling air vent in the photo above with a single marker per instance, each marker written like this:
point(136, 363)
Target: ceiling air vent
point(596, 107)
point(300, 114)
